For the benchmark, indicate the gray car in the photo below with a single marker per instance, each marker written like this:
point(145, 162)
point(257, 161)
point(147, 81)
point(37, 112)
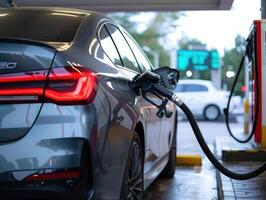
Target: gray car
point(71, 124)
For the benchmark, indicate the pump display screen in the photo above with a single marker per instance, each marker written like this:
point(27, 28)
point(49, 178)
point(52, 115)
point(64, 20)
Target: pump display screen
point(197, 60)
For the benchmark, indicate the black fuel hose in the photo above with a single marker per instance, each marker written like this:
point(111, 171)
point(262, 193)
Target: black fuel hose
point(175, 99)
point(226, 110)
point(209, 154)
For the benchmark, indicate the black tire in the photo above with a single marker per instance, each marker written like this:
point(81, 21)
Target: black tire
point(132, 185)
point(169, 170)
point(215, 112)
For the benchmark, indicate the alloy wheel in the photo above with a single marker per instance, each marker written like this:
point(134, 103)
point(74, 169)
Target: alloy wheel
point(211, 112)
point(135, 173)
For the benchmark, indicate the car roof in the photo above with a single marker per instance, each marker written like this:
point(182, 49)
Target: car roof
point(195, 81)
point(46, 9)
point(206, 83)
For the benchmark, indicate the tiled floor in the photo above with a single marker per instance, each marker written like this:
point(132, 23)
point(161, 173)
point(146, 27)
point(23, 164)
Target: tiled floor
point(245, 189)
point(196, 183)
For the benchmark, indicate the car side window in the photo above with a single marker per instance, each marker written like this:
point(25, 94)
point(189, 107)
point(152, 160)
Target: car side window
point(142, 60)
point(128, 59)
point(109, 47)
point(194, 88)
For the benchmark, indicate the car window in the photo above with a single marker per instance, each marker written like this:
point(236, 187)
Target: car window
point(194, 88)
point(49, 26)
point(109, 47)
point(143, 62)
point(128, 59)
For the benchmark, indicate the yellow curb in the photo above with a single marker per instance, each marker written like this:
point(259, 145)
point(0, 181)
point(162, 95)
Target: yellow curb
point(189, 160)
point(252, 151)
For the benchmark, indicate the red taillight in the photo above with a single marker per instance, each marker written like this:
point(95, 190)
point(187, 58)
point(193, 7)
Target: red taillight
point(54, 176)
point(18, 84)
point(68, 85)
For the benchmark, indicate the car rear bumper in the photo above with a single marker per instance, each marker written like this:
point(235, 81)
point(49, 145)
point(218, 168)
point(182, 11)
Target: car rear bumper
point(53, 162)
point(55, 153)
point(54, 190)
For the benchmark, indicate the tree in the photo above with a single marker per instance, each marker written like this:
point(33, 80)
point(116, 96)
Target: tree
point(154, 35)
point(231, 61)
point(188, 43)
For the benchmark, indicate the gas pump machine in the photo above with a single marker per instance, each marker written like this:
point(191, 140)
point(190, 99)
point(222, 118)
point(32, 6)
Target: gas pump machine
point(258, 42)
point(254, 63)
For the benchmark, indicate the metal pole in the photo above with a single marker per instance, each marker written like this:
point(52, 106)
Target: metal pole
point(156, 60)
point(216, 76)
point(173, 59)
point(246, 101)
point(247, 77)
point(156, 56)
point(263, 9)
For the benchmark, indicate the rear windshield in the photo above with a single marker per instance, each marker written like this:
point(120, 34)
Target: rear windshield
point(40, 25)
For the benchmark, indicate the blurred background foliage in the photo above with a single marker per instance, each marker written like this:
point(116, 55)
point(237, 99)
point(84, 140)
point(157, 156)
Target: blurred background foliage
point(153, 33)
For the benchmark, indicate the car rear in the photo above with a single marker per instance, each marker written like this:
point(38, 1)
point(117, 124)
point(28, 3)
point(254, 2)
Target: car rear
point(38, 96)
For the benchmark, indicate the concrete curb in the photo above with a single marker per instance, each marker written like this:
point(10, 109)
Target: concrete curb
point(243, 155)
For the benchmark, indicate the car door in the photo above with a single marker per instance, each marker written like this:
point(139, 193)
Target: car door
point(118, 99)
point(166, 125)
point(195, 96)
point(152, 123)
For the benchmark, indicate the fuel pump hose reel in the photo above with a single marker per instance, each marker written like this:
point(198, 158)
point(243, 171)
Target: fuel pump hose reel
point(155, 84)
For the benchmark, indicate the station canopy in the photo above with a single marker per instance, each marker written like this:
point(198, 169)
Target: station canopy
point(133, 5)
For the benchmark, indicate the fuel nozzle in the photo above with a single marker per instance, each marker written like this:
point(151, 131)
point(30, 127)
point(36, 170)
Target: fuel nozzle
point(157, 83)
point(145, 81)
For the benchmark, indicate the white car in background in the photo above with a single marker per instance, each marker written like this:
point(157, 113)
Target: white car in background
point(203, 98)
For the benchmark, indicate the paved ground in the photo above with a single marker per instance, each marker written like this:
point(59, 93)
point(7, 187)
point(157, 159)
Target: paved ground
point(190, 183)
point(186, 141)
point(201, 182)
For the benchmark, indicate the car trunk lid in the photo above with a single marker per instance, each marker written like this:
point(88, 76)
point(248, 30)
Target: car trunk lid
point(24, 68)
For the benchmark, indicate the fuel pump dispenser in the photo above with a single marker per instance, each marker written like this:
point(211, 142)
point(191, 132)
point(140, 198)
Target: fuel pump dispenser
point(255, 97)
point(259, 55)
point(252, 99)
point(161, 81)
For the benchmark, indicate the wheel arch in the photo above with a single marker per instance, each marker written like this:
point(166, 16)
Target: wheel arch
point(139, 129)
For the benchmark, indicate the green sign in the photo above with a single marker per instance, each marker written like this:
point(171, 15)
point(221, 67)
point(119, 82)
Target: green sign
point(197, 59)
